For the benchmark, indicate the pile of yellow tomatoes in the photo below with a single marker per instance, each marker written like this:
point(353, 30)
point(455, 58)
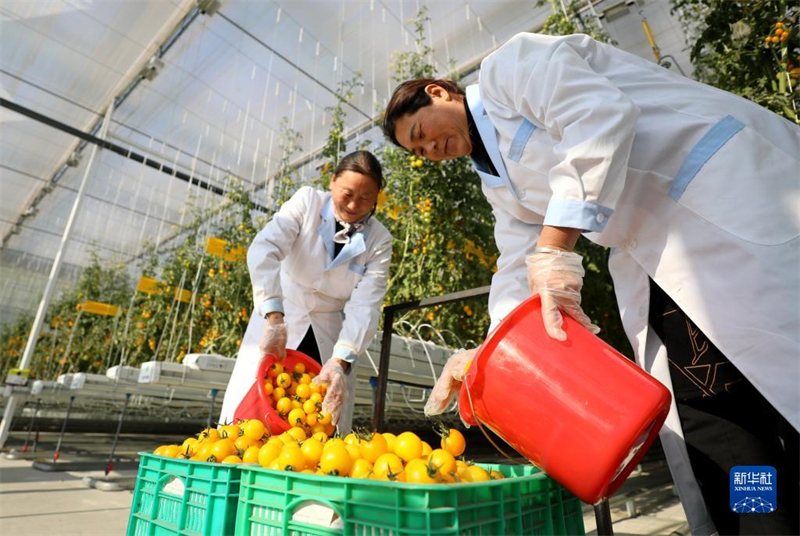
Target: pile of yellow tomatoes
point(232, 443)
point(401, 458)
point(297, 400)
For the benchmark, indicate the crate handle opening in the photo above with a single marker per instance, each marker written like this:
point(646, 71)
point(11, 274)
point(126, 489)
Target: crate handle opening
point(174, 486)
point(318, 512)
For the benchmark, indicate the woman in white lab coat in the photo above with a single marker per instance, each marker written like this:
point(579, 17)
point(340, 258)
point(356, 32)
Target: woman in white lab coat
point(697, 193)
point(319, 271)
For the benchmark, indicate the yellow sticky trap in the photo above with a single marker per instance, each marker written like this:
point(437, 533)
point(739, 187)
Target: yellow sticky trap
point(183, 295)
point(148, 285)
point(219, 248)
point(20, 372)
point(97, 308)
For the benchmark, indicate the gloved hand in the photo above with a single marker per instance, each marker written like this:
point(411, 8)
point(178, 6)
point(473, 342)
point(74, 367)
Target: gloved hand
point(274, 340)
point(333, 375)
point(557, 276)
point(449, 383)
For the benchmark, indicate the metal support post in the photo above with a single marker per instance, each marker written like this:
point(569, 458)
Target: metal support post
point(30, 346)
point(386, 341)
point(602, 515)
point(383, 368)
point(30, 426)
point(36, 437)
point(211, 408)
point(110, 464)
point(63, 428)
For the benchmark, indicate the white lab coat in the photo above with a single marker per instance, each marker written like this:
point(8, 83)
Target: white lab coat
point(292, 268)
point(691, 186)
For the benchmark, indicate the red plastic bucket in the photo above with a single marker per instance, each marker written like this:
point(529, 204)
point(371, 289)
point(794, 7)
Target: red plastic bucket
point(577, 409)
point(256, 404)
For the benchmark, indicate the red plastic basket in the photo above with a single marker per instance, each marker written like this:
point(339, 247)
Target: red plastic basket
point(578, 409)
point(256, 404)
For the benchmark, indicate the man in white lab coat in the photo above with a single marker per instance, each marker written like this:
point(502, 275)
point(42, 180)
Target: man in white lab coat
point(697, 193)
point(319, 270)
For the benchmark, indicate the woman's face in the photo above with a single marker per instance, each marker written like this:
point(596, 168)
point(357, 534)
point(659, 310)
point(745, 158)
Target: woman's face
point(354, 195)
point(438, 131)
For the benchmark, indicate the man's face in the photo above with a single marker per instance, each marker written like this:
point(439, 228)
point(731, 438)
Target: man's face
point(439, 131)
point(354, 195)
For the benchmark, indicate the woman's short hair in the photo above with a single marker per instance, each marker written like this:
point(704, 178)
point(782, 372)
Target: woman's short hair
point(363, 162)
point(409, 97)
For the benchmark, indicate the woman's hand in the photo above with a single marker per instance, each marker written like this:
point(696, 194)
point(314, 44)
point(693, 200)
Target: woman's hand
point(275, 336)
point(333, 375)
point(557, 277)
point(449, 383)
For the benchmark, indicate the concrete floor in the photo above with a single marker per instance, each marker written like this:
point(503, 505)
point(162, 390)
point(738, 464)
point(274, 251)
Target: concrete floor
point(34, 502)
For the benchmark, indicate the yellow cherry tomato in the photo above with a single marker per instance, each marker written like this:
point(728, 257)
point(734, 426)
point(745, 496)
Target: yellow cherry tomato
point(284, 380)
point(268, 453)
point(230, 430)
point(390, 439)
point(335, 460)
point(303, 391)
point(474, 473)
point(355, 454)
point(291, 459)
point(408, 446)
point(283, 406)
point(297, 433)
point(251, 455)
point(204, 452)
point(373, 447)
point(208, 433)
point(242, 443)
point(453, 441)
point(443, 462)
point(275, 369)
point(254, 429)
point(297, 417)
point(171, 451)
point(387, 467)
point(426, 448)
point(310, 407)
point(361, 469)
point(419, 472)
point(312, 451)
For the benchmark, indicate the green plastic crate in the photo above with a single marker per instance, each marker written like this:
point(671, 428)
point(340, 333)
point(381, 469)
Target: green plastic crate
point(567, 511)
point(182, 497)
point(527, 503)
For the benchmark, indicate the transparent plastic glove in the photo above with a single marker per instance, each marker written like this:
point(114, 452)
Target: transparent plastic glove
point(336, 394)
point(557, 276)
point(274, 340)
point(449, 383)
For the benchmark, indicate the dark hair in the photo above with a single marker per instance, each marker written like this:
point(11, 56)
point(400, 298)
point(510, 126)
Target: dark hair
point(409, 97)
point(363, 162)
